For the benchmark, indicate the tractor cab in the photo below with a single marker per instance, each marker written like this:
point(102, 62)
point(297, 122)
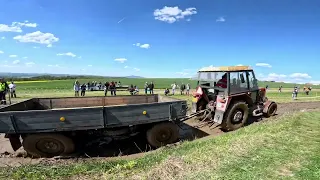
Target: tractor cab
point(220, 88)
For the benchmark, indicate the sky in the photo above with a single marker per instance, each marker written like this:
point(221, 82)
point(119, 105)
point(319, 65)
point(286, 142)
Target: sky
point(280, 40)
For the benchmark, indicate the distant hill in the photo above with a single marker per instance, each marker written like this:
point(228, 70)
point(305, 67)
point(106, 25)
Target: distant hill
point(133, 76)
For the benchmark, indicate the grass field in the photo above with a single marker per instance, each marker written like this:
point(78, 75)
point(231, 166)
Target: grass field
point(283, 148)
point(160, 83)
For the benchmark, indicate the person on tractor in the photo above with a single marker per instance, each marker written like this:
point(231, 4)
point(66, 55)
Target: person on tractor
point(223, 82)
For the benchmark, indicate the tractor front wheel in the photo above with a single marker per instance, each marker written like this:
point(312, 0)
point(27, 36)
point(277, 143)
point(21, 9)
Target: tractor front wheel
point(236, 116)
point(272, 109)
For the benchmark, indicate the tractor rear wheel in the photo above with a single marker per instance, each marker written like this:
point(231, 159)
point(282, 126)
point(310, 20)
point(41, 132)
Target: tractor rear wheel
point(48, 145)
point(163, 134)
point(236, 116)
point(272, 109)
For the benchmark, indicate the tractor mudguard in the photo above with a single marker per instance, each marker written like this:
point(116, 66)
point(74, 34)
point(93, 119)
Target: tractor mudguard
point(218, 116)
point(221, 106)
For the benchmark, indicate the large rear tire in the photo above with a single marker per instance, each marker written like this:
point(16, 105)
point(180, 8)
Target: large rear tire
point(236, 116)
point(48, 145)
point(163, 134)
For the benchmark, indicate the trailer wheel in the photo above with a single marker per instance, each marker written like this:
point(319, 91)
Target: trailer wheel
point(163, 134)
point(48, 145)
point(236, 116)
point(272, 109)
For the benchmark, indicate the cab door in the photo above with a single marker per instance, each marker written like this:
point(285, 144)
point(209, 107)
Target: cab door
point(253, 86)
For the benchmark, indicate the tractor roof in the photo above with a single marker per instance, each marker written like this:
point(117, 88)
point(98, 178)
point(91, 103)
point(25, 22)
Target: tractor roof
point(225, 69)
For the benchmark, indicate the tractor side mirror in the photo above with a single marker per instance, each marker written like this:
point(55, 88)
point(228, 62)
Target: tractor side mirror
point(242, 78)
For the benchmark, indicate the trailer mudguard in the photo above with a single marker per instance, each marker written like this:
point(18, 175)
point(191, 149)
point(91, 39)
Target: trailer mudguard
point(14, 141)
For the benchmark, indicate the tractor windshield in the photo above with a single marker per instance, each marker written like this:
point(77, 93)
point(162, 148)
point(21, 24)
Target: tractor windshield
point(213, 80)
point(210, 76)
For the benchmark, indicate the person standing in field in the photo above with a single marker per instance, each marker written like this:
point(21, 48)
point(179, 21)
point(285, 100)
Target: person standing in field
point(151, 87)
point(173, 87)
point(83, 89)
point(3, 90)
point(106, 87)
point(113, 88)
point(188, 89)
point(182, 88)
point(12, 88)
point(76, 88)
point(146, 88)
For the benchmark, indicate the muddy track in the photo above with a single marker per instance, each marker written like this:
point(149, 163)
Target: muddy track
point(134, 147)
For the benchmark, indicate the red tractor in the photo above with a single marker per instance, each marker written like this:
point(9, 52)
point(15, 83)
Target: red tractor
point(229, 95)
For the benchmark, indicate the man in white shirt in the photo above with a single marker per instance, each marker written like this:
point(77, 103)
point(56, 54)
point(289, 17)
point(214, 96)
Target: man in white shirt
point(12, 88)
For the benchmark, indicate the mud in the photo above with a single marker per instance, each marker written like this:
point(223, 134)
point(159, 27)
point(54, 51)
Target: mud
point(134, 147)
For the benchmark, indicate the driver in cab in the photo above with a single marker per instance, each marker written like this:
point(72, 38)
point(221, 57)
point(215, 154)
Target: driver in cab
point(222, 83)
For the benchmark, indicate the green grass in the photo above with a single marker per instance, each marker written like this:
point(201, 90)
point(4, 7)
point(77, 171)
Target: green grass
point(283, 148)
point(160, 83)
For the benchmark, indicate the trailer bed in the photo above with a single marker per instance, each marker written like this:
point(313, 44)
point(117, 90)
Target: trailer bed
point(85, 113)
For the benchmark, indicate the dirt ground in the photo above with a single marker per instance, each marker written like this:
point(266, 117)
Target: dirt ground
point(133, 147)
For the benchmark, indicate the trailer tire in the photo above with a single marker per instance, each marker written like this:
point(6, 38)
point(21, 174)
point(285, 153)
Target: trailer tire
point(163, 134)
point(232, 122)
point(48, 145)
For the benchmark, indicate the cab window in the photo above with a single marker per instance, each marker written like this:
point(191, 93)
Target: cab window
point(238, 82)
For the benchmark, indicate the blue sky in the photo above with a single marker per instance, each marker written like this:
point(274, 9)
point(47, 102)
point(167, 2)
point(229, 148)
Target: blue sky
point(279, 39)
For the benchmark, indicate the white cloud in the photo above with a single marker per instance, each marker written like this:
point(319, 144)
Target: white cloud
point(300, 76)
point(16, 62)
point(8, 28)
point(1, 52)
point(182, 73)
point(79, 57)
point(66, 54)
point(49, 45)
point(264, 65)
point(239, 65)
point(136, 69)
point(90, 65)
point(29, 64)
point(315, 82)
point(56, 65)
point(173, 14)
point(35, 47)
point(145, 46)
point(13, 56)
point(25, 57)
point(3, 37)
point(25, 24)
point(37, 37)
point(126, 67)
point(221, 19)
point(120, 60)
point(292, 78)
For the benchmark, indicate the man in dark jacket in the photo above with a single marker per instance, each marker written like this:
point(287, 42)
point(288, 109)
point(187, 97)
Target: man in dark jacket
point(106, 87)
point(151, 87)
point(83, 89)
point(3, 90)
